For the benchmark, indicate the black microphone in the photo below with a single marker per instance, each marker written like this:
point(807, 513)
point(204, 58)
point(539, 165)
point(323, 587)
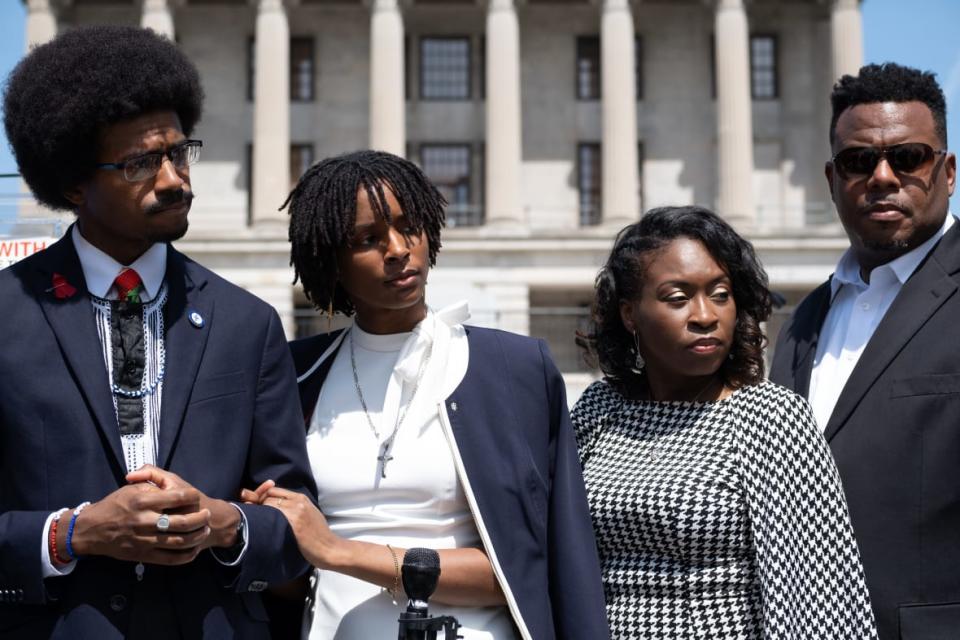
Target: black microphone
point(420, 573)
point(421, 570)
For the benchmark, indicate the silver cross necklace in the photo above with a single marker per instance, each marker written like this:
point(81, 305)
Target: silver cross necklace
point(387, 445)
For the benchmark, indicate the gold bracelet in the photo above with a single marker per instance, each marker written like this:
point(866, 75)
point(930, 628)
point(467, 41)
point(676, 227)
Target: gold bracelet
point(396, 575)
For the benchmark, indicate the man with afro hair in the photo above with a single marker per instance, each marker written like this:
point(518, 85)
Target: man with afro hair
point(140, 391)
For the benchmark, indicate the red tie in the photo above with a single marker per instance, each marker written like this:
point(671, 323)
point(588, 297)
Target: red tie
point(128, 285)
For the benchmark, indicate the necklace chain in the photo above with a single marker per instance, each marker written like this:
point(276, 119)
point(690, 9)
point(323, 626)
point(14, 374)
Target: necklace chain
point(387, 444)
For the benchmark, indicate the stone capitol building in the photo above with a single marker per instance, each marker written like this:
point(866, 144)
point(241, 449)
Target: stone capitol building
point(547, 124)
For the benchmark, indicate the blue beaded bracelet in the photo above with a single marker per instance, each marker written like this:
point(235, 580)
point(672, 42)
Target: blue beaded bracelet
point(73, 523)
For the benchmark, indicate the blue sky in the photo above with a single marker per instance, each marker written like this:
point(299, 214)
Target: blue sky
point(925, 36)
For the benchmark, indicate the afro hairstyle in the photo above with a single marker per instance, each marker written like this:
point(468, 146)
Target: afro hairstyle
point(61, 95)
point(889, 82)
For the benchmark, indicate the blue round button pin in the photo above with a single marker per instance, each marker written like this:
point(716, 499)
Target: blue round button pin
point(195, 319)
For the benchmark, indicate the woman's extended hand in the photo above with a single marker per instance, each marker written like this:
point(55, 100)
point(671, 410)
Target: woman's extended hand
point(317, 543)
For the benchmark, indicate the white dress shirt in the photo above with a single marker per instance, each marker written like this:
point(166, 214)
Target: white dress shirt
point(856, 308)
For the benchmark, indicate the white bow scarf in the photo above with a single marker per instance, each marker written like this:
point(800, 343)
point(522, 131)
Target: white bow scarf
point(443, 330)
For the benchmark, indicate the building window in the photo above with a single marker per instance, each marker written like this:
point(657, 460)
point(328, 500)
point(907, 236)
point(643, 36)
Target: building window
point(445, 68)
point(449, 167)
point(588, 68)
point(302, 85)
point(589, 178)
point(589, 86)
point(557, 316)
point(638, 66)
point(763, 67)
point(301, 70)
point(301, 159)
point(251, 67)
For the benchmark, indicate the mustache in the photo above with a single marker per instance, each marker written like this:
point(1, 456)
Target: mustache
point(886, 201)
point(181, 196)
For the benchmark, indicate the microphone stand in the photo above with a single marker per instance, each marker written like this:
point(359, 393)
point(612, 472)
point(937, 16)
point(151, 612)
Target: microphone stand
point(421, 570)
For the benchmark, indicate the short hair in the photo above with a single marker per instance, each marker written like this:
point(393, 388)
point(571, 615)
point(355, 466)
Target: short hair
point(62, 94)
point(889, 82)
point(323, 212)
point(609, 344)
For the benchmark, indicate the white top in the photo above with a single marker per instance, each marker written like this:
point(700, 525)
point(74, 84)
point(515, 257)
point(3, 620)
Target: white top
point(421, 502)
point(855, 311)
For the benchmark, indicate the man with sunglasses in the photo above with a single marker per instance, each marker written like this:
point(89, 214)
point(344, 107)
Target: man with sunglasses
point(876, 349)
point(140, 392)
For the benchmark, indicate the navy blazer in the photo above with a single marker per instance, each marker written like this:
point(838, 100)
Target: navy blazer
point(230, 419)
point(510, 425)
point(895, 435)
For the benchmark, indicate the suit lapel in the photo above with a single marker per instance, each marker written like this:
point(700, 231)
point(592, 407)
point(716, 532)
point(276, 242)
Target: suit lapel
point(921, 296)
point(806, 349)
point(184, 344)
point(73, 324)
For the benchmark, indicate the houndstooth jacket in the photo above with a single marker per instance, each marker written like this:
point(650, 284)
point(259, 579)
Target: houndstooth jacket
point(719, 519)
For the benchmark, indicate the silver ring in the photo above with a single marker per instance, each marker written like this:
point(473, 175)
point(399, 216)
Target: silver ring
point(163, 522)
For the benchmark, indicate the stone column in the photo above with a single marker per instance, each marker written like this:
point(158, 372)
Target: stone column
point(504, 141)
point(41, 23)
point(846, 32)
point(271, 112)
point(620, 186)
point(387, 94)
point(157, 16)
point(734, 117)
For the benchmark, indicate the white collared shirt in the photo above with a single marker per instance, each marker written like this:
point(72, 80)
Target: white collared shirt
point(100, 270)
point(856, 309)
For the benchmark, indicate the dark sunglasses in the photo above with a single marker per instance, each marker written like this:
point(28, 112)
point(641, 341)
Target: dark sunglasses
point(908, 158)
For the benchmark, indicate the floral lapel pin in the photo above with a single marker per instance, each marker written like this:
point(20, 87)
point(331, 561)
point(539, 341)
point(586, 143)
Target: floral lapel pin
point(61, 288)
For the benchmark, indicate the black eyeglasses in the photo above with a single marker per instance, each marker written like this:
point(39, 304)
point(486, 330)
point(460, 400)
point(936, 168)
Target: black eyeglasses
point(908, 158)
point(138, 168)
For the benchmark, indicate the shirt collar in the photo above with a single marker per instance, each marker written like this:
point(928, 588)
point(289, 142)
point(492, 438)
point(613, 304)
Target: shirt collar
point(848, 270)
point(99, 269)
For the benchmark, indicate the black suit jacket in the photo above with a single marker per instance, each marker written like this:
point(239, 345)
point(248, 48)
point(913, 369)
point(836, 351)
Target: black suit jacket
point(895, 435)
point(229, 419)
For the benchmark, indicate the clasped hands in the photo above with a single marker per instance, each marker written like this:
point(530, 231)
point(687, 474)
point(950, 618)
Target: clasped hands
point(123, 525)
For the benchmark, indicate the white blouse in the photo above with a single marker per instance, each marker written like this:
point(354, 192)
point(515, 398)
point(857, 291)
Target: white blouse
point(420, 502)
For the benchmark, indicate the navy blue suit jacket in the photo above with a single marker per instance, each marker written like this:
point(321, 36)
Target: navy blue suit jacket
point(895, 436)
point(511, 427)
point(230, 419)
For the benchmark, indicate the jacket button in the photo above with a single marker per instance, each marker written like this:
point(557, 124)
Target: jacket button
point(453, 406)
point(257, 586)
point(118, 602)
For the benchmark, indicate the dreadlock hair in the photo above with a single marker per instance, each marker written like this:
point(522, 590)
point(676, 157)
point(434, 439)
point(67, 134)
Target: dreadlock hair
point(889, 82)
point(323, 212)
point(611, 347)
point(63, 93)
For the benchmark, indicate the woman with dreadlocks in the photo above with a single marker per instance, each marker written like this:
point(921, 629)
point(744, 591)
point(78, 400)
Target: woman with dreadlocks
point(423, 432)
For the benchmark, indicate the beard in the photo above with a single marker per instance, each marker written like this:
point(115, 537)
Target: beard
point(886, 246)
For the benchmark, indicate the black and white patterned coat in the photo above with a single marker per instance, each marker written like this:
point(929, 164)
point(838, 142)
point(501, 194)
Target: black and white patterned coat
point(719, 519)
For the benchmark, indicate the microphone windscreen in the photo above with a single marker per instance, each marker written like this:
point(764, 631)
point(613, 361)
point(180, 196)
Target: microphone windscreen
point(421, 570)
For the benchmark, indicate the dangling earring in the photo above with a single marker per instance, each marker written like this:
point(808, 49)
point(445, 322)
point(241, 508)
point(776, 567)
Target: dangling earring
point(330, 315)
point(638, 359)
